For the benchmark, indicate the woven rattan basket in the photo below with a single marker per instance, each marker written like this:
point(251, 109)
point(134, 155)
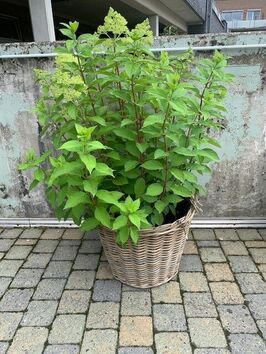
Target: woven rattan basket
point(156, 257)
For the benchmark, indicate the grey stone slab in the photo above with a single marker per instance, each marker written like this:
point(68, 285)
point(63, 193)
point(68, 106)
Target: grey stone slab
point(190, 263)
point(194, 281)
point(206, 332)
point(58, 269)
point(237, 319)
point(262, 326)
point(45, 246)
point(9, 322)
point(234, 248)
point(67, 329)
point(258, 254)
point(172, 343)
point(99, 341)
point(69, 243)
point(203, 234)
point(212, 255)
point(226, 293)
point(26, 242)
point(135, 350)
point(199, 305)
point(167, 293)
point(39, 260)
point(248, 234)
point(81, 279)
point(5, 244)
point(136, 303)
point(91, 235)
point(31, 233)
point(169, 318)
point(52, 234)
point(107, 290)
point(9, 268)
point(218, 272)
point(262, 232)
point(29, 340)
point(243, 264)
point(86, 262)
point(62, 349)
point(65, 253)
point(73, 234)
point(27, 278)
point(208, 244)
point(4, 283)
point(49, 289)
point(74, 301)
point(15, 300)
point(251, 283)
point(92, 246)
point(246, 344)
point(255, 244)
point(256, 304)
point(226, 234)
point(3, 347)
point(11, 233)
point(103, 315)
point(18, 252)
point(39, 313)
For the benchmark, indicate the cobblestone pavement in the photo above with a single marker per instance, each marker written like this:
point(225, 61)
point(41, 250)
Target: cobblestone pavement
point(58, 296)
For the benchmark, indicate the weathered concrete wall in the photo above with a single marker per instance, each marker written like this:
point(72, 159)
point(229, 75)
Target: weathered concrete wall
point(238, 184)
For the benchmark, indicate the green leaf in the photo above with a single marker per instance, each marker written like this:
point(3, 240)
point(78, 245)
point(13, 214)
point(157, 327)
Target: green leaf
point(98, 120)
point(103, 170)
point(160, 206)
point(76, 198)
point(130, 165)
point(153, 119)
point(73, 167)
point(123, 235)
point(181, 191)
point(154, 189)
point(34, 184)
point(95, 145)
point(39, 175)
point(178, 174)
point(102, 216)
point(89, 161)
point(185, 151)
point(72, 145)
point(190, 177)
point(84, 132)
point(135, 219)
point(89, 224)
point(152, 165)
point(108, 197)
point(139, 187)
point(134, 235)
point(159, 153)
point(125, 133)
point(91, 186)
point(119, 222)
point(209, 153)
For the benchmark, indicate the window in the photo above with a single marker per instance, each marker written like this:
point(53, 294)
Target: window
point(232, 15)
point(253, 14)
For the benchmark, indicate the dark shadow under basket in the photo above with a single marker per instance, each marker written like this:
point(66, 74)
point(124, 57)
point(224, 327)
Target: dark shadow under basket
point(156, 257)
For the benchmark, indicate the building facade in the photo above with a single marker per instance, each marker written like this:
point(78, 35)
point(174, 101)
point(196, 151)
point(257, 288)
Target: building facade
point(243, 15)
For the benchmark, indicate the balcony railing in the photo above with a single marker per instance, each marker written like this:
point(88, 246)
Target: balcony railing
point(246, 24)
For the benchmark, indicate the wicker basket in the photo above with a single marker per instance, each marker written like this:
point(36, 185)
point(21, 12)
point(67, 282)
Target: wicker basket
point(156, 257)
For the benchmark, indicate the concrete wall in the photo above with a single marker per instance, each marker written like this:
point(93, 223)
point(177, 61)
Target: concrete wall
point(237, 186)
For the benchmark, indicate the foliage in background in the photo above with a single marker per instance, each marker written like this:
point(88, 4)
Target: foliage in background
point(129, 129)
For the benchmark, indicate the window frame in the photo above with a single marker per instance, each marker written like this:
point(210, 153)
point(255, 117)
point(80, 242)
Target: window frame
point(248, 10)
point(230, 11)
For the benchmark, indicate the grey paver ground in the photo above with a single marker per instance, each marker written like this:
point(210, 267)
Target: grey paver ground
point(58, 296)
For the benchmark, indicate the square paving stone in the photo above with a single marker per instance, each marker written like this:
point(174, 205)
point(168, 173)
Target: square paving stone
point(255, 244)
point(226, 293)
point(234, 248)
point(212, 255)
point(67, 329)
point(11, 233)
point(226, 234)
point(66, 253)
point(193, 282)
point(8, 324)
point(248, 234)
point(107, 290)
point(62, 349)
point(92, 246)
point(199, 305)
point(26, 242)
point(73, 234)
point(4, 283)
point(135, 350)
point(190, 263)
point(39, 260)
point(104, 271)
point(74, 301)
point(262, 326)
point(29, 340)
point(241, 264)
point(167, 293)
point(52, 234)
point(45, 246)
point(91, 235)
point(15, 300)
point(86, 262)
point(251, 283)
point(49, 289)
point(5, 245)
point(237, 319)
point(81, 279)
point(99, 341)
point(58, 269)
point(69, 243)
point(27, 278)
point(190, 248)
point(256, 304)
point(31, 233)
point(169, 318)
point(172, 343)
point(218, 272)
point(258, 254)
point(206, 332)
point(246, 344)
point(18, 252)
point(136, 303)
point(136, 331)
point(204, 234)
point(208, 244)
point(103, 315)
point(9, 268)
point(262, 232)
point(39, 313)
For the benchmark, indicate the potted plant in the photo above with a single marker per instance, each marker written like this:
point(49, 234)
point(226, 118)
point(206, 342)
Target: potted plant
point(129, 135)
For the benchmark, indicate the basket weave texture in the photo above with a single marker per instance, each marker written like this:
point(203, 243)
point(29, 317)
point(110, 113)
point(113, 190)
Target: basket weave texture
point(156, 257)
